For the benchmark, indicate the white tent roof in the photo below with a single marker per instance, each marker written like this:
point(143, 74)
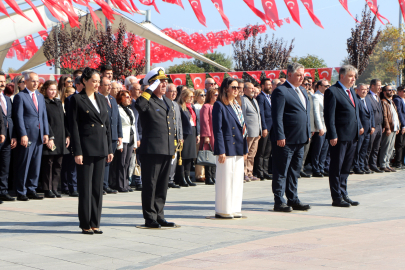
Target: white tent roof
point(22, 28)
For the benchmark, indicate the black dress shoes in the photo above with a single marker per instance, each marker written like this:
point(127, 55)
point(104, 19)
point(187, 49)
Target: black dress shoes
point(49, 194)
point(305, 175)
point(22, 198)
point(111, 191)
point(375, 169)
point(358, 171)
point(340, 203)
point(6, 197)
point(183, 182)
point(213, 180)
point(152, 224)
point(1, 202)
point(367, 171)
point(98, 231)
point(282, 208)
point(386, 170)
point(130, 189)
point(87, 232)
point(74, 194)
point(121, 191)
point(348, 200)
point(56, 194)
point(173, 185)
point(208, 181)
point(300, 206)
point(189, 182)
point(261, 177)
point(138, 187)
point(34, 196)
point(165, 223)
point(66, 192)
point(317, 174)
point(268, 176)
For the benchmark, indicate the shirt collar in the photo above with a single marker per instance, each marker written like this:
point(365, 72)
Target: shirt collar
point(374, 94)
point(292, 85)
point(344, 87)
point(30, 92)
point(319, 92)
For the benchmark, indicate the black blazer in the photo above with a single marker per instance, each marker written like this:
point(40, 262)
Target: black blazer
point(158, 124)
point(378, 110)
point(342, 119)
point(291, 121)
point(366, 116)
point(114, 118)
point(265, 112)
point(8, 119)
point(90, 134)
point(57, 123)
point(185, 120)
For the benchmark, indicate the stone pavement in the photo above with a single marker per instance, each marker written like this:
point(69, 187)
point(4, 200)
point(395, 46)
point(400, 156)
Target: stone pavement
point(45, 234)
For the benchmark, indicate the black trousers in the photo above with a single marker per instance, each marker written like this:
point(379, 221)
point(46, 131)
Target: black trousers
point(110, 175)
point(320, 147)
point(341, 160)
point(90, 178)
point(360, 156)
point(399, 148)
point(123, 160)
point(287, 164)
point(69, 173)
point(374, 147)
point(210, 171)
point(5, 157)
point(155, 179)
point(51, 168)
point(261, 163)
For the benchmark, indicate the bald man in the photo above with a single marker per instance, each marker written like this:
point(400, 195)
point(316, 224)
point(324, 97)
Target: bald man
point(209, 84)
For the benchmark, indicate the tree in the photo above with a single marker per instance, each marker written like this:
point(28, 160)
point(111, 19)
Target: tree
point(311, 61)
point(217, 57)
point(186, 67)
point(254, 53)
point(361, 44)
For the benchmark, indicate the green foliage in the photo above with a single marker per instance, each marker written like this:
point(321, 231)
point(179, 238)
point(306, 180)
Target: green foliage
point(217, 57)
point(185, 67)
point(311, 61)
point(66, 71)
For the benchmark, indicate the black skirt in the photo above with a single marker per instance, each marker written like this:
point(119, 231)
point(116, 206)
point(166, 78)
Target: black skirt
point(189, 147)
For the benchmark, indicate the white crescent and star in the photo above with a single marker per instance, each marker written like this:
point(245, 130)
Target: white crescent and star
point(327, 73)
point(178, 79)
point(192, 2)
point(271, 4)
point(217, 77)
point(199, 79)
point(291, 2)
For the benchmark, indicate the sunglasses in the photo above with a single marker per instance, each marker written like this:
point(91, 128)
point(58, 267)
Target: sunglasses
point(236, 88)
point(307, 84)
point(21, 82)
point(215, 95)
point(69, 81)
point(202, 95)
point(326, 86)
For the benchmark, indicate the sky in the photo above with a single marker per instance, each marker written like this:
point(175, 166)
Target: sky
point(328, 43)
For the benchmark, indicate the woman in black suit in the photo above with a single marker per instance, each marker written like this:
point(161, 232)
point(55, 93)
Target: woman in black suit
point(52, 153)
point(91, 144)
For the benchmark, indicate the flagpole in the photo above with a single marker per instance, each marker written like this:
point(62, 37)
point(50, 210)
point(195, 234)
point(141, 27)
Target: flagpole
point(399, 77)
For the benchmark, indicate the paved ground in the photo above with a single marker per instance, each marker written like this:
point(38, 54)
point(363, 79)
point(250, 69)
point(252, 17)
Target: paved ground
point(45, 234)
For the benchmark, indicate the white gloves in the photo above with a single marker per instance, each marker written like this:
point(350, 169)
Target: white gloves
point(154, 85)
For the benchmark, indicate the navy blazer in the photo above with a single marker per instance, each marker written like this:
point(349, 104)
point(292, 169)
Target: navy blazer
point(265, 112)
point(114, 118)
point(27, 120)
point(138, 127)
point(227, 131)
point(399, 102)
point(291, 121)
point(9, 118)
point(342, 119)
point(366, 116)
point(185, 120)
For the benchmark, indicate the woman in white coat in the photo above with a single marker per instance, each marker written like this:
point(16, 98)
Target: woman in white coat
point(124, 153)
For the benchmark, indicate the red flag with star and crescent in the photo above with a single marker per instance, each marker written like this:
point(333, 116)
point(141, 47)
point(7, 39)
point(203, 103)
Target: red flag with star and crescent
point(345, 6)
point(218, 5)
point(196, 6)
point(270, 9)
point(255, 75)
point(178, 79)
point(198, 80)
point(236, 75)
point(374, 8)
point(218, 77)
point(272, 74)
point(176, 2)
point(310, 8)
point(294, 10)
point(325, 73)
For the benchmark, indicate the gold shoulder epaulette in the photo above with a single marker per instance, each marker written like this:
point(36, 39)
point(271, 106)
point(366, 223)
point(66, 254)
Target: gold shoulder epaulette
point(146, 95)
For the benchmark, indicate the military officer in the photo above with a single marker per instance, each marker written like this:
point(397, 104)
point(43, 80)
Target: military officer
point(157, 117)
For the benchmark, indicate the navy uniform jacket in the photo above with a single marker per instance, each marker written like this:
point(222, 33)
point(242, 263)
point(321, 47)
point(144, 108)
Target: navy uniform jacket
point(158, 124)
point(8, 119)
point(366, 116)
point(227, 131)
point(399, 102)
point(28, 121)
point(342, 119)
point(265, 112)
point(114, 118)
point(291, 121)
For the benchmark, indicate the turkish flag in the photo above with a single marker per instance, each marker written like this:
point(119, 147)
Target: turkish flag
point(270, 9)
point(218, 77)
point(176, 2)
point(150, 3)
point(16, 8)
point(3, 9)
point(218, 5)
point(56, 77)
point(285, 72)
point(294, 10)
point(107, 10)
point(12, 75)
point(43, 34)
point(344, 4)
point(325, 73)
point(178, 79)
point(10, 53)
point(310, 8)
point(261, 15)
point(272, 74)
point(337, 69)
point(196, 6)
point(198, 80)
point(310, 72)
point(236, 75)
point(31, 44)
point(402, 5)
point(374, 8)
point(67, 7)
point(41, 20)
point(255, 75)
point(44, 77)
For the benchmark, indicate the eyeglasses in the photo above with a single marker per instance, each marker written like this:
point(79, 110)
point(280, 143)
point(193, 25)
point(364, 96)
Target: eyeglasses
point(326, 86)
point(202, 95)
point(236, 88)
point(69, 81)
point(216, 95)
point(307, 84)
point(21, 82)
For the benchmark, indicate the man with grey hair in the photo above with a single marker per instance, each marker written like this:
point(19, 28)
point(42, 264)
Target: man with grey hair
point(274, 84)
point(342, 120)
point(129, 81)
point(209, 84)
point(291, 131)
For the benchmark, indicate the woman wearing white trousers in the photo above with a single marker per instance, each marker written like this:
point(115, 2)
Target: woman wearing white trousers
point(231, 150)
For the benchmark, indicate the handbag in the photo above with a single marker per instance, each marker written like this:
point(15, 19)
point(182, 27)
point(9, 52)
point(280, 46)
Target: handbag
point(137, 169)
point(206, 157)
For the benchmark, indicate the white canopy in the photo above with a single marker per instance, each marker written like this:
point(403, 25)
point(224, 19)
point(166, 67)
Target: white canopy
point(21, 27)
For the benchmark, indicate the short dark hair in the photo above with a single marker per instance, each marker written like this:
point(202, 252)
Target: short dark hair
point(77, 71)
point(240, 81)
point(308, 78)
point(400, 88)
point(2, 74)
point(374, 81)
point(78, 80)
point(87, 74)
point(263, 81)
point(102, 78)
point(105, 68)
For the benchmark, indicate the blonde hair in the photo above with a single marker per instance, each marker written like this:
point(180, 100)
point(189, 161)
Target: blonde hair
point(183, 96)
point(64, 91)
point(197, 93)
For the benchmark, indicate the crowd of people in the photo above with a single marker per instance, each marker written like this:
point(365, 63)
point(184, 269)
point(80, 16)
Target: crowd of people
point(88, 136)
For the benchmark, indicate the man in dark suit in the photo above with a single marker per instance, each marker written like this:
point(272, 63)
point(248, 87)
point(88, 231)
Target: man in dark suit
point(116, 132)
point(158, 145)
point(399, 101)
point(344, 127)
point(261, 162)
point(367, 121)
point(31, 123)
point(375, 138)
point(291, 130)
point(7, 139)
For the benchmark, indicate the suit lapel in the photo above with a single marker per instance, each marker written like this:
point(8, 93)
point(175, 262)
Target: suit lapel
point(28, 96)
point(294, 93)
point(342, 92)
point(91, 106)
point(268, 101)
point(247, 100)
point(160, 102)
point(230, 109)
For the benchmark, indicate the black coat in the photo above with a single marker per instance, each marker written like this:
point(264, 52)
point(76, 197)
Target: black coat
point(90, 134)
point(57, 127)
point(158, 124)
point(378, 110)
point(8, 119)
point(366, 115)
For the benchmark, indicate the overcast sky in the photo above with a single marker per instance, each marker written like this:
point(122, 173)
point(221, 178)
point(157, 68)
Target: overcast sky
point(328, 43)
